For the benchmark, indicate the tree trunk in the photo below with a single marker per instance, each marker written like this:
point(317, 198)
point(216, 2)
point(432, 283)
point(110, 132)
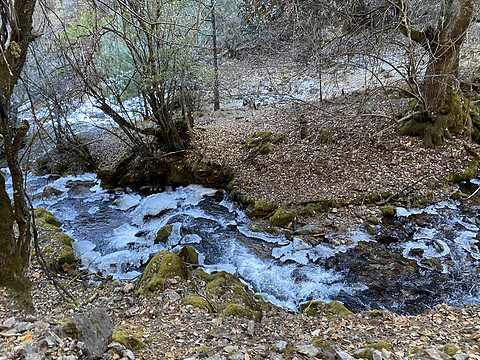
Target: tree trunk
point(443, 109)
point(216, 84)
point(15, 37)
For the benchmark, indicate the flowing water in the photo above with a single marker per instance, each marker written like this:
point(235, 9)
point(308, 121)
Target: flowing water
point(434, 258)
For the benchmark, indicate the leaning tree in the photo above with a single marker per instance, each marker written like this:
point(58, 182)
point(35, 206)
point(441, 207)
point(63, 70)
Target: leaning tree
point(15, 236)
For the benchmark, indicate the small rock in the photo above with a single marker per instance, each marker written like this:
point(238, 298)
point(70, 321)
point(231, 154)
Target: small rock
point(172, 295)
point(377, 355)
point(230, 349)
point(128, 288)
point(216, 357)
point(128, 354)
point(433, 354)
point(460, 356)
point(10, 322)
point(342, 355)
point(308, 230)
point(68, 357)
point(23, 326)
point(308, 350)
point(40, 326)
point(251, 328)
point(282, 344)
point(275, 356)
point(117, 347)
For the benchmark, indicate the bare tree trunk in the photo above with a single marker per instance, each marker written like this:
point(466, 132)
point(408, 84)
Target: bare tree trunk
point(216, 85)
point(15, 37)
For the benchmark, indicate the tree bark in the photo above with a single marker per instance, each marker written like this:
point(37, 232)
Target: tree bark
point(442, 108)
point(16, 21)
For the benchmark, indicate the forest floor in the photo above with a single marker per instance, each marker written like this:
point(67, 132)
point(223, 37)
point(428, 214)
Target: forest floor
point(334, 151)
point(344, 148)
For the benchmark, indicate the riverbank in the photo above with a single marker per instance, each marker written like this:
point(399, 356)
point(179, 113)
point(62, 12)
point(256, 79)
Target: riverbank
point(167, 330)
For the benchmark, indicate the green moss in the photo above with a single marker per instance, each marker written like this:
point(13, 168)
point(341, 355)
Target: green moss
point(450, 349)
point(47, 216)
point(374, 197)
point(337, 309)
point(389, 211)
point(163, 234)
point(264, 207)
point(189, 255)
point(200, 303)
point(467, 174)
point(385, 194)
point(283, 218)
point(372, 230)
point(164, 265)
point(235, 311)
point(262, 134)
point(132, 340)
point(324, 136)
point(313, 308)
point(321, 343)
point(202, 349)
point(278, 138)
point(203, 275)
point(372, 220)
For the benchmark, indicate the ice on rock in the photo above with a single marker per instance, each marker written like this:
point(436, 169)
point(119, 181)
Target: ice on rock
point(127, 201)
point(153, 205)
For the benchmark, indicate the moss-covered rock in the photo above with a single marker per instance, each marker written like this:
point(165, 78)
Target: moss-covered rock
point(467, 174)
point(227, 288)
point(283, 218)
point(163, 234)
point(47, 216)
point(236, 310)
point(263, 207)
point(389, 211)
point(321, 344)
point(163, 266)
point(131, 339)
point(337, 309)
point(373, 220)
point(189, 255)
point(313, 308)
point(201, 303)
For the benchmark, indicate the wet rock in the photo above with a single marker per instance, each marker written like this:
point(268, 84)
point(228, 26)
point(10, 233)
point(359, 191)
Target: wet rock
point(49, 192)
point(163, 234)
point(283, 218)
point(94, 328)
point(308, 230)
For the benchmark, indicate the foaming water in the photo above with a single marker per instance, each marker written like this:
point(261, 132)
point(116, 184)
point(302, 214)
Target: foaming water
point(115, 235)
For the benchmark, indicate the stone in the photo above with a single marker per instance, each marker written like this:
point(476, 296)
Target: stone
point(308, 230)
point(433, 354)
point(172, 295)
point(128, 354)
point(49, 192)
point(10, 322)
point(128, 288)
point(251, 328)
point(309, 350)
point(94, 328)
point(342, 355)
point(377, 355)
point(282, 344)
point(189, 255)
point(460, 356)
point(283, 218)
point(275, 356)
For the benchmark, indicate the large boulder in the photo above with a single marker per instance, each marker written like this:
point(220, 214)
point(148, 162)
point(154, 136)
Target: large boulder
point(163, 266)
point(94, 328)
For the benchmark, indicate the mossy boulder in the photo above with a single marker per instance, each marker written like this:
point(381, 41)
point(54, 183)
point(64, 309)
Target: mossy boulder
point(451, 349)
point(163, 266)
point(236, 310)
point(189, 255)
point(131, 339)
point(263, 207)
point(47, 216)
point(163, 234)
point(313, 308)
point(389, 211)
point(228, 289)
point(336, 308)
point(201, 303)
point(283, 218)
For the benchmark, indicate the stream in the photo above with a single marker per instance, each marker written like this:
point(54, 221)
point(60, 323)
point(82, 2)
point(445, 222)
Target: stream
point(418, 259)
